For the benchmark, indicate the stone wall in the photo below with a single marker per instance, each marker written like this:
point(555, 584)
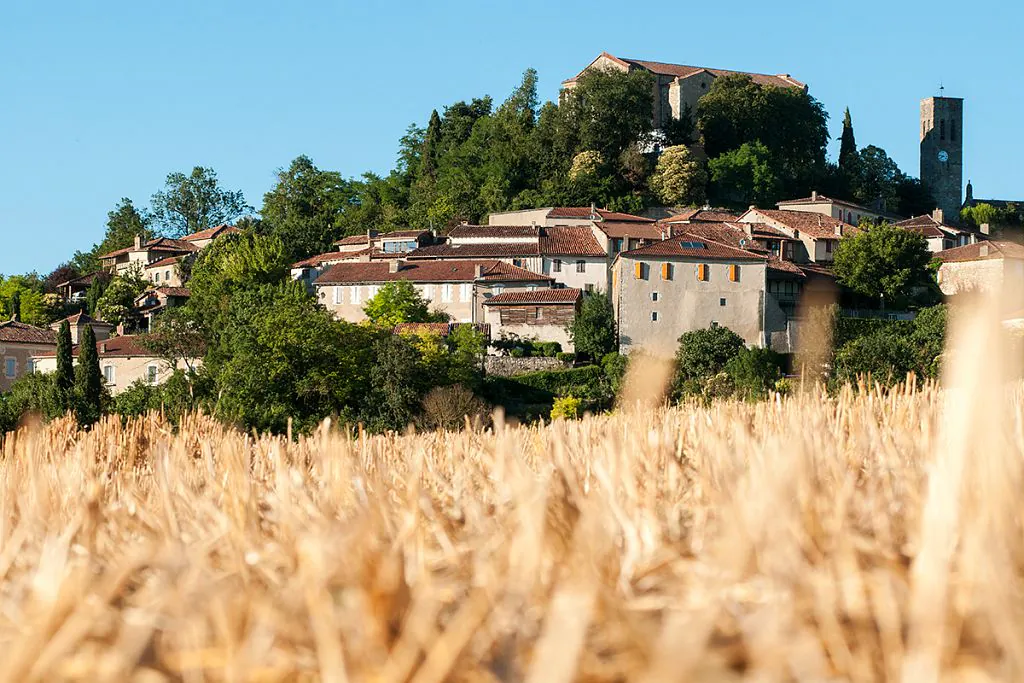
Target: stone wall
point(507, 366)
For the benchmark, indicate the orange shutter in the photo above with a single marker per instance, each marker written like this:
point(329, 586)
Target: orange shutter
point(702, 272)
point(734, 273)
point(639, 270)
point(665, 275)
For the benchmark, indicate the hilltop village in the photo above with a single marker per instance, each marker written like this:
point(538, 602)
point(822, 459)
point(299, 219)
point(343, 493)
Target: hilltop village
point(707, 249)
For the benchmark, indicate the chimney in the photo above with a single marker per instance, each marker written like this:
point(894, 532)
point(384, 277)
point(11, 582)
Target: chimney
point(814, 195)
point(985, 229)
point(103, 347)
point(15, 317)
point(593, 211)
point(120, 329)
point(395, 265)
point(478, 271)
point(938, 217)
point(138, 241)
point(752, 207)
point(839, 231)
point(983, 249)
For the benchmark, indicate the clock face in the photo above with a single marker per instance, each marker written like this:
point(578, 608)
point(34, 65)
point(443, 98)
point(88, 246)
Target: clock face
point(943, 156)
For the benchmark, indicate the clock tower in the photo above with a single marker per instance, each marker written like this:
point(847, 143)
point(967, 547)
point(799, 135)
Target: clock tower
point(942, 153)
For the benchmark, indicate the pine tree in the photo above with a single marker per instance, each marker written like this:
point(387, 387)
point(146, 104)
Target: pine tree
point(847, 145)
point(88, 381)
point(64, 381)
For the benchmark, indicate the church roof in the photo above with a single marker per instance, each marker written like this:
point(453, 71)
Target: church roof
point(682, 71)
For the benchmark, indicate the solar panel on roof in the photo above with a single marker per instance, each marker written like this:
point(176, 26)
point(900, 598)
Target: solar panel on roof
point(692, 245)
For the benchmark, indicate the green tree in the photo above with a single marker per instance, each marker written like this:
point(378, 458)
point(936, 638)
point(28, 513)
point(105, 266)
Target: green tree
point(876, 178)
point(88, 381)
point(680, 178)
point(194, 202)
point(703, 354)
point(754, 371)
point(304, 207)
point(124, 222)
point(929, 338)
point(746, 175)
point(117, 303)
point(16, 305)
point(610, 110)
point(400, 302)
point(64, 380)
point(847, 146)
point(884, 262)
point(592, 331)
point(885, 356)
point(25, 292)
point(395, 383)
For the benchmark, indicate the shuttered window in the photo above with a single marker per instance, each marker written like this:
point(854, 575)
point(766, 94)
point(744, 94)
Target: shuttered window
point(702, 272)
point(734, 273)
point(639, 271)
point(666, 271)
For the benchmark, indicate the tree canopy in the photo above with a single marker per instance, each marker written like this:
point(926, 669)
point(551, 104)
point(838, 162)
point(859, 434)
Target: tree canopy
point(194, 202)
point(884, 262)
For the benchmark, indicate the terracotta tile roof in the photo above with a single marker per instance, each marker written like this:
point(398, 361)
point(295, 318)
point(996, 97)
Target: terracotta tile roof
point(822, 199)
point(159, 244)
point(86, 279)
point(426, 271)
point(616, 216)
point(81, 318)
point(181, 292)
point(353, 239)
point(476, 251)
point(702, 215)
point(638, 230)
point(494, 231)
point(538, 297)
point(331, 257)
point(718, 232)
point(683, 71)
point(565, 240)
point(813, 224)
point(928, 227)
point(210, 233)
point(126, 346)
point(765, 230)
point(17, 332)
point(399, 234)
point(786, 268)
point(170, 260)
point(688, 246)
point(982, 251)
point(602, 214)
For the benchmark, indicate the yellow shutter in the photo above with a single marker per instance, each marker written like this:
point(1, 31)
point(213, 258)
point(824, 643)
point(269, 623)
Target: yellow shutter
point(666, 271)
point(702, 272)
point(734, 273)
point(639, 270)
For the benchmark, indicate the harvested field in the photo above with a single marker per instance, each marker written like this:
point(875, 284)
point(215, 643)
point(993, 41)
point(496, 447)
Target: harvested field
point(869, 536)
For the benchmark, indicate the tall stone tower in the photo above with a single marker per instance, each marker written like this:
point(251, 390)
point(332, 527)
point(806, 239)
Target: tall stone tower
point(942, 152)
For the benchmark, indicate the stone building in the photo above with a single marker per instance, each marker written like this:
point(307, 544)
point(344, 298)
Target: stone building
point(19, 342)
point(814, 236)
point(458, 288)
point(841, 210)
point(981, 267)
point(677, 87)
point(942, 152)
point(940, 235)
point(681, 284)
point(79, 321)
point(542, 314)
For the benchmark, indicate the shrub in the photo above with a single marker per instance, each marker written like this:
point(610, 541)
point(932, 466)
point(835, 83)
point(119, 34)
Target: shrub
point(566, 357)
point(703, 354)
point(754, 372)
point(886, 357)
point(517, 352)
point(448, 407)
point(546, 349)
point(566, 408)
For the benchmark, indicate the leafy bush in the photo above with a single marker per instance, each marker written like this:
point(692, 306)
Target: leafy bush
point(886, 357)
point(566, 357)
point(546, 349)
point(754, 372)
point(566, 408)
point(703, 354)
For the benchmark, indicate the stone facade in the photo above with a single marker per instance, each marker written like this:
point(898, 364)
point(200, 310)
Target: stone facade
point(942, 147)
point(506, 366)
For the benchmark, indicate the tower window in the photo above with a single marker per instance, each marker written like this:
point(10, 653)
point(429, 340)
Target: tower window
point(942, 129)
point(952, 130)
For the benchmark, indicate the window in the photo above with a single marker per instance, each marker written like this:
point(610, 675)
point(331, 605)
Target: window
point(517, 262)
point(638, 271)
point(942, 129)
point(714, 323)
point(654, 316)
point(428, 292)
point(557, 265)
point(654, 296)
point(337, 295)
point(156, 276)
point(167, 276)
point(666, 271)
point(581, 266)
point(702, 272)
point(10, 366)
point(446, 293)
point(952, 130)
point(151, 374)
point(356, 289)
point(372, 291)
point(465, 292)
point(588, 288)
point(30, 366)
point(617, 245)
point(828, 246)
point(734, 273)
point(108, 374)
point(498, 289)
point(721, 302)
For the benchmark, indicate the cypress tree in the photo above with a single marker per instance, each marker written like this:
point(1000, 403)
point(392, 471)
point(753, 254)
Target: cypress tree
point(88, 381)
point(64, 381)
point(847, 144)
point(16, 306)
point(431, 143)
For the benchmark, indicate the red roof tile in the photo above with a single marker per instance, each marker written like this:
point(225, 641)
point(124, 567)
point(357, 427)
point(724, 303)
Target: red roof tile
point(494, 231)
point(538, 297)
point(169, 261)
point(164, 244)
point(565, 240)
point(476, 251)
point(638, 230)
point(586, 213)
point(426, 271)
point(702, 215)
point(81, 318)
point(982, 251)
point(210, 233)
point(17, 332)
point(126, 346)
point(616, 216)
point(353, 239)
point(812, 224)
point(685, 71)
point(330, 257)
point(688, 246)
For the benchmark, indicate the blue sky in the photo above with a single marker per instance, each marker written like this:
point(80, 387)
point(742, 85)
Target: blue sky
point(100, 100)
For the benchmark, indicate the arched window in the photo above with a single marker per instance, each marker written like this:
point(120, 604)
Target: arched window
point(952, 130)
point(942, 129)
